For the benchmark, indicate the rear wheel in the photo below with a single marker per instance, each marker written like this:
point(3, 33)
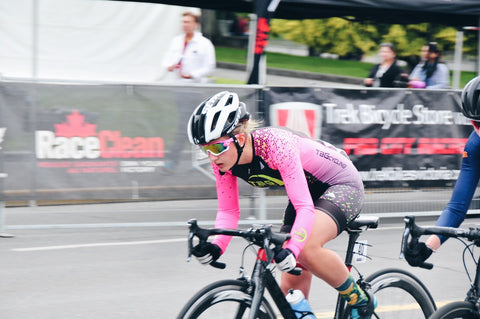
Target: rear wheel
point(224, 299)
point(399, 294)
point(457, 309)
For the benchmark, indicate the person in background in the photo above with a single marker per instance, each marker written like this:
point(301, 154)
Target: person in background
point(190, 56)
point(324, 189)
point(189, 59)
point(431, 72)
point(416, 73)
point(240, 25)
point(467, 182)
point(387, 72)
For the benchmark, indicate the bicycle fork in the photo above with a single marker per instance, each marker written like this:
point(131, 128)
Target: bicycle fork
point(473, 294)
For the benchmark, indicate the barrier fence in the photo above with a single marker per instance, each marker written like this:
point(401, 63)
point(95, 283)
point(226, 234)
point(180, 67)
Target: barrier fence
point(128, 142)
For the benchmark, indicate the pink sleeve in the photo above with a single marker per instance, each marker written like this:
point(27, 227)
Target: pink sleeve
point(228, 212)
point(301, 199)
point(287, 160)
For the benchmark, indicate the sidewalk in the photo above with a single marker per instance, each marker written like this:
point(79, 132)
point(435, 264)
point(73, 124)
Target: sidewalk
point(283, 77)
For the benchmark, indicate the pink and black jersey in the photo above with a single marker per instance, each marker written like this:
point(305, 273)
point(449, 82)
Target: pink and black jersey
point(305, 167)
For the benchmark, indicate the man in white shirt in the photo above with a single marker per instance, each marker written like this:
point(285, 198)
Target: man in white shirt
point(190, 59)
point(190, 56)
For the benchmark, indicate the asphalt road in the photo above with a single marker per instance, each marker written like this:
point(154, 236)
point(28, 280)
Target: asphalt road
point(129, 260)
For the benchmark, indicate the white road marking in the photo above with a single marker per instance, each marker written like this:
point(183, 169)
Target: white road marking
point(125, 243)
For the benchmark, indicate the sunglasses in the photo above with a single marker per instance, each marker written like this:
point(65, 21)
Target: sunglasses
point(217, 148)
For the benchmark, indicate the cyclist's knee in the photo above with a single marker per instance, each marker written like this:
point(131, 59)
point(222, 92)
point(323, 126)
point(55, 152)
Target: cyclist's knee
point(302, 282)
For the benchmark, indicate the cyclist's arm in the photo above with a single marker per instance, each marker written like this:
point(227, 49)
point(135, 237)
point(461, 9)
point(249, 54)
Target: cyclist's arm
point(228, 212)
point(456, 210)
point(298, 193)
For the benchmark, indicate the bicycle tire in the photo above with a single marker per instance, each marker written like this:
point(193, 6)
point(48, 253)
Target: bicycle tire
point(399, 295)
point(456, 309)
point(222, 298)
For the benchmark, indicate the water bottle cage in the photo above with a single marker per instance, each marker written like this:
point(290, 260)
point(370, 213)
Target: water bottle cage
point(303, 314)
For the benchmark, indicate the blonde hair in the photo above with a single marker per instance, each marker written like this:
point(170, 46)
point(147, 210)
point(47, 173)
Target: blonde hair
point(248, 126)
point(196, 17)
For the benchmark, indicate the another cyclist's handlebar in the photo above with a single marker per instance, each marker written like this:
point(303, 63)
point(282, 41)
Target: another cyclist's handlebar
point(414, 231)
point(262, 236)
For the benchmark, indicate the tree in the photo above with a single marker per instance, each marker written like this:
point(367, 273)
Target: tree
point(348, 38)
point(334, 35)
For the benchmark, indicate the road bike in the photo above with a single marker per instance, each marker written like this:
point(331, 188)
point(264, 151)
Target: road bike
point(399, 293)
point(470, 307)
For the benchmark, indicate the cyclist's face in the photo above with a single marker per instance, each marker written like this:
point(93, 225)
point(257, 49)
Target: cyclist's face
point(227, 158)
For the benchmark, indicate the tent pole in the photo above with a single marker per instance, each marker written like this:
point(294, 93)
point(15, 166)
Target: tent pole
point(478, 49)
point(35, 40)
point(457, 60)
point(251, 42)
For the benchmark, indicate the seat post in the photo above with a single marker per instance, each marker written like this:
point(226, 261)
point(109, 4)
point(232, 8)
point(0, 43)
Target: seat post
point(352, 239)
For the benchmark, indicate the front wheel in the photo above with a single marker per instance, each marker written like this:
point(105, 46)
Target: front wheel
point(400, 295)
point(224, 299)
point(457, 309)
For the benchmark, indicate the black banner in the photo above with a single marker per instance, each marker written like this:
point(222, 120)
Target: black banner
point(62, 142)
point(101, 141)
point(396, 138)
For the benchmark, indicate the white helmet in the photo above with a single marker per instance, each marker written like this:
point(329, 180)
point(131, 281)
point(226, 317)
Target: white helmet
point(215, 117)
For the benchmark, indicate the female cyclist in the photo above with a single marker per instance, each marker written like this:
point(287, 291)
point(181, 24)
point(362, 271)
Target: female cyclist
point(456, 210)
point(324, 189)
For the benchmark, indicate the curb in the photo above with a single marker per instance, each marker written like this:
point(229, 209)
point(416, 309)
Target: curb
point(296, 74)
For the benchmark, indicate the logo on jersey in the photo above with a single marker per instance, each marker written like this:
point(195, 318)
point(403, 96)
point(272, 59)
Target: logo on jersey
point(300, 235)
point(298, 116)
point(264, 181)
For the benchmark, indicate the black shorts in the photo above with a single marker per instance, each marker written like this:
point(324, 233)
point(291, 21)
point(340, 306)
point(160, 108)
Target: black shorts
point(341, 202)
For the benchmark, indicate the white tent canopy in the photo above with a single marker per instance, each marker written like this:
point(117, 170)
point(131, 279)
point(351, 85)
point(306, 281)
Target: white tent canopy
point(85, 40)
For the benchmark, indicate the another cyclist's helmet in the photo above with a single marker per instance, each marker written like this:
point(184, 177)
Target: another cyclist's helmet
point(215, 117)
point(471, 99)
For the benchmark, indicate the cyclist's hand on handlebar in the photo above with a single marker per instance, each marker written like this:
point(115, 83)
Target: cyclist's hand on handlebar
point(417, 254)
point(206, 252)
point(285, 260)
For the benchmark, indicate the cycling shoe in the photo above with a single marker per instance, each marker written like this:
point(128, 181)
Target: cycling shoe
point(364, 311)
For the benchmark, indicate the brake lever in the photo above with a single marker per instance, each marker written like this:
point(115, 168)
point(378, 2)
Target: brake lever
point(406, 233)
point(409, 224)
point(190, 246)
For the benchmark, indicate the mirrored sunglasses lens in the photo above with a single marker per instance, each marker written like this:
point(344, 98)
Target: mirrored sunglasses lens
point(215, 149)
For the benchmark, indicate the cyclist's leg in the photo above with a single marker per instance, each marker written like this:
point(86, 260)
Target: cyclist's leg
point(302, 282)
point(335, 209)
point(338, 205)
point(323, 262)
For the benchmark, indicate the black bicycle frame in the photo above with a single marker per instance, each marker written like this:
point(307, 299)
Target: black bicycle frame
point(473, 293)
point(263, 278)
point(352, 240)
